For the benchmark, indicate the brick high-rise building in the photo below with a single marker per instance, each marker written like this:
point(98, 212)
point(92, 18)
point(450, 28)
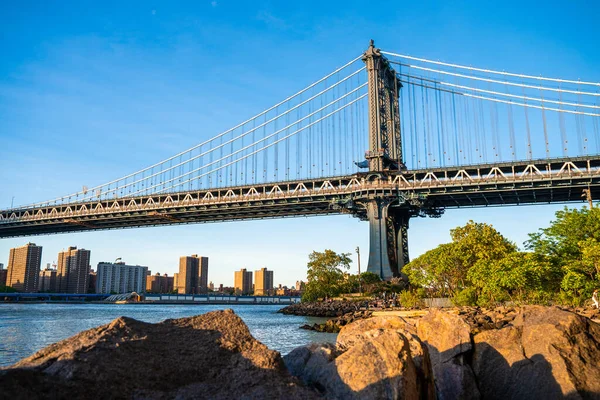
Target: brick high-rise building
point(263, 282)
point(47, 280)
point(243, 282)
point(24, 268)
point(193, 275)
point(159, 283)
point(73, 271)
point(120, 278)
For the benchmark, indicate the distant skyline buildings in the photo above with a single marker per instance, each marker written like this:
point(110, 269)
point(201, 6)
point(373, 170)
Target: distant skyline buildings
point(193, 274)
point(24, 267)
point(47, 280)
point(159, 283)
point(119, 277)
point(263, 282)
point(243, 282)
point(73, 270)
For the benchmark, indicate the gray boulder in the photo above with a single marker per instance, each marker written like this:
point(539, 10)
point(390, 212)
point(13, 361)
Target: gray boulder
point(547, 353)
point(448, 341)
point(378, 365)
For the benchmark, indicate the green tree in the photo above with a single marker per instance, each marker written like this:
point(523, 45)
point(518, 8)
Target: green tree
point(325, 274)
point(437, 270)
point(444, 270)
point(562, 238)
point(368, 278)
point(479, 241)
point(7, 289)
point(572, 243)
point(520, 277)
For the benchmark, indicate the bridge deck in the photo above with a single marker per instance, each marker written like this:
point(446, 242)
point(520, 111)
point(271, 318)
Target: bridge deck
point(515, 183)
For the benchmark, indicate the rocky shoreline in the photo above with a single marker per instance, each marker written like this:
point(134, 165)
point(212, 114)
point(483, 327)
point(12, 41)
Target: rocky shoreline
point(334, 325)
point(469, 353)
point(344, 312)
point(324, 308)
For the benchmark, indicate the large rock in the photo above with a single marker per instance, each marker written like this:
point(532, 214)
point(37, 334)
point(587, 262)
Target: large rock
point(208, 356)
point(448, 341)
point(547, 353)
point(359, 330)
point(378, 365)
point(350, 333)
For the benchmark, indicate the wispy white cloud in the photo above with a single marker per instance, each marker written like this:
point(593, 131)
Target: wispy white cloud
point(272, 20)
point(213, 3)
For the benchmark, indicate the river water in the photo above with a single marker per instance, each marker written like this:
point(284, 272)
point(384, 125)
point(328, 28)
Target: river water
point(27, 328)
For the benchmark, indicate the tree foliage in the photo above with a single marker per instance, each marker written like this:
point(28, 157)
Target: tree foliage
point(325, 274)
point(444, 270)
point(482, 267)
point(7, 289)
point(572, 243)
point(517, 277)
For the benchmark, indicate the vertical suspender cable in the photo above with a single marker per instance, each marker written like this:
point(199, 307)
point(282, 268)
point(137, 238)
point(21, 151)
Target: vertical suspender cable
point(529, 150)
point(583, 129)
point(546, 140)
point(429, 154)
point(563, 131)
point(596, 129)
point(456, 132)
point(424, 122)
point(483, 131)
point(416, 132)
point(411, 125)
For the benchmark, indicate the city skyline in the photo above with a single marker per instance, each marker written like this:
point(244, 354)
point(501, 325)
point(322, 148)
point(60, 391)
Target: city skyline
point(68, 85)
point(93, 266)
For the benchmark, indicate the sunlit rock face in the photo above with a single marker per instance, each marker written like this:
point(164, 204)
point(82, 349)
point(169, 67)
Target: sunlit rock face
point(211, 356)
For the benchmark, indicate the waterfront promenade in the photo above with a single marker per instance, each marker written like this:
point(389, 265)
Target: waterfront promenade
point(150, 298)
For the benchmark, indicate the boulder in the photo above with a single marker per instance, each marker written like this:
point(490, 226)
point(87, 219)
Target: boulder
point(350, 333)
point(355, 332)
point(208, 356)
point(448, 341)
point(546, 353)
point(378, 365)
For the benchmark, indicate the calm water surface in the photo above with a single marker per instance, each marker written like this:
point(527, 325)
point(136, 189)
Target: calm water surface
point(26, 328)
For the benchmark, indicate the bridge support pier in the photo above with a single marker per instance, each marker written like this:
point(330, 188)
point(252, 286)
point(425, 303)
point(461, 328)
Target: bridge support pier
point(388, 235)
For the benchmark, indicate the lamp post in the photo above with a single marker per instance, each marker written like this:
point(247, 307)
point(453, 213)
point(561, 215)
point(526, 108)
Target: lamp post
point(359, 280)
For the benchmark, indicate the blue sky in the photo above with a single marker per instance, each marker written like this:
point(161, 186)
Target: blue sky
point(90, 91)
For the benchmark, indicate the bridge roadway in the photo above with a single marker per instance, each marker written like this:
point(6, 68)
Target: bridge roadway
point(511, 183)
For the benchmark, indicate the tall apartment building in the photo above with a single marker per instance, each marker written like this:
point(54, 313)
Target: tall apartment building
point(243, 282)
point(120, 278)
point(73, 270)
point(159, 283)
point(263, 282)
point(3, 273)
point(47, 280)
point(193, 275)
point(24, 268)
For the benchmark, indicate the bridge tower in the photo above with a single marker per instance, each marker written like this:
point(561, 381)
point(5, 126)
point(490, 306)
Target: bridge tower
point(388, 217)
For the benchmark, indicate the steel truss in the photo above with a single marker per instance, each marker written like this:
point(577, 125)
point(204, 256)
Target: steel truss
point(417, 192)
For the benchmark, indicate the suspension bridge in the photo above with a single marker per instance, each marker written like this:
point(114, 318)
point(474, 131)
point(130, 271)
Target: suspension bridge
point(386, 137)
